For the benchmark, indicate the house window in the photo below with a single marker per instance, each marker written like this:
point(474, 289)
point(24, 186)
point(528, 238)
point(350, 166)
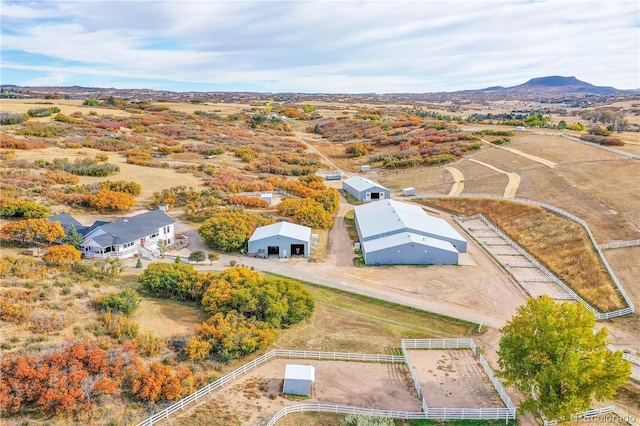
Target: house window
point(166, 229)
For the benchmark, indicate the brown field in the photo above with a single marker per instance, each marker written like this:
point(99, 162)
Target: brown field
point(67, 106)
point(257, 396)
point(559, 149)
point(453, 379)
point(559, 243)
point(168, 318)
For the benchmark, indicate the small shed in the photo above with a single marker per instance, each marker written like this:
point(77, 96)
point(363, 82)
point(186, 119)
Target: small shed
point(365, 168)
point(298, 379)
point(163, 207)
point(268, 197)
point(408, 191)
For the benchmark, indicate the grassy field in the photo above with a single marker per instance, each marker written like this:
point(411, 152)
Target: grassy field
point(560, 244)
point(348, 322)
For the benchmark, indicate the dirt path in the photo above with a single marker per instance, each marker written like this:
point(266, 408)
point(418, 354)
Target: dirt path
point(514, 179)
point(458, 181)
point(531, 157)
point(340, 245)
point(324, 157)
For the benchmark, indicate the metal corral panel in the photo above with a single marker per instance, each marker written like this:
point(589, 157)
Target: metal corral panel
point(298, 379)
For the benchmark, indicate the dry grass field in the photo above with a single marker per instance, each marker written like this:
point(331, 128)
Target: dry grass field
point(559, 243)
point(151, 179)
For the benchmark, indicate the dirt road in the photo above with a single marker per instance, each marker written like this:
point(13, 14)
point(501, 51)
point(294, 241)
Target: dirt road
point(514, 179)
point(458, 181)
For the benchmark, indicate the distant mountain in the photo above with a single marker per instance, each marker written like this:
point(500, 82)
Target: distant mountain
point(554, 85)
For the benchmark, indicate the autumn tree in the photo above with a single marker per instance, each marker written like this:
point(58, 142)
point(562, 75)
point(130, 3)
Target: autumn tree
point(106, 199)
point(132, 188)
point(32, 231)
point(357, 149)
point(21, 209)
point(174, 281)
point(63, 379)
point(197, 349)
point(61, 255)
point(229, 230)
point(278, 302)
point(232, 335)
point(161, 383)
point(306, 212)
point(551, 353)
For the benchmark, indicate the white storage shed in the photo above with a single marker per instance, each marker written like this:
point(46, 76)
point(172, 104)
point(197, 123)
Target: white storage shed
point(298, 379)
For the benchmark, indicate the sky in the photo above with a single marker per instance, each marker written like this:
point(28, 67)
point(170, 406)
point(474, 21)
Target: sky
point(313, 46)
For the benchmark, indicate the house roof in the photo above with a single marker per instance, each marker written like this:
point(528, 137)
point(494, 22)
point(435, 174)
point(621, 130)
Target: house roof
point(282, 229)
point(65, 220)
point(360, 183)
point(390, 216)
point(299, 372)
point(131, 228)
point(402, 238)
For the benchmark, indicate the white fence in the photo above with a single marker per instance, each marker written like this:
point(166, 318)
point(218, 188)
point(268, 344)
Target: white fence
point(620, 244)
point(599, 315)
point(276, 353)
point(611, 414)
point(460, 413)
point(427, 413)
point(343, 409)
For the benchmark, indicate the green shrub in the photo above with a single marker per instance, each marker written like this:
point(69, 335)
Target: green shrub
point(125, 302)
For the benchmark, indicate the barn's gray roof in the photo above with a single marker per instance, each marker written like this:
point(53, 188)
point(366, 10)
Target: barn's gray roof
point(132, 228)
point(282, 229)
point(390, 216)
point(360, 183)
point(402, 238)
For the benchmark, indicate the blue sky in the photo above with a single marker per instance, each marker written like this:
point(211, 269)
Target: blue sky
point(317, 46)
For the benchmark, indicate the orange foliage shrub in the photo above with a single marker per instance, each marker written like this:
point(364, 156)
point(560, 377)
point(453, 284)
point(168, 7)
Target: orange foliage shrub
point(161, 383)
point(61, 255)
point(111, 200)
point(8, 142)
point(32, 230)
point(246, 201)
point(21, 267)
point(64, 379)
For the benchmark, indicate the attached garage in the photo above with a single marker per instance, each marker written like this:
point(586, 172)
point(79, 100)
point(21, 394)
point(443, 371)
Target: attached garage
point(282, 239)
point(298, 379)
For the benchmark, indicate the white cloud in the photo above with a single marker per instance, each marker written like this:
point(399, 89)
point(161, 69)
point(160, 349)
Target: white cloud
point(332, 46)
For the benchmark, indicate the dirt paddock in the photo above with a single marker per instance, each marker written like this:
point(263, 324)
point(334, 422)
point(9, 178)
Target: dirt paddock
point(453, 379)
point(257, 395)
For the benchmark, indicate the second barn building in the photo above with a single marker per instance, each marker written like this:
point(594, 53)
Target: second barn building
point(282, 239)
point(396, 233)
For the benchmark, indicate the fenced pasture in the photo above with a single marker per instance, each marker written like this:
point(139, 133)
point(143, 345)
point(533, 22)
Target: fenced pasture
point(386, 385)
